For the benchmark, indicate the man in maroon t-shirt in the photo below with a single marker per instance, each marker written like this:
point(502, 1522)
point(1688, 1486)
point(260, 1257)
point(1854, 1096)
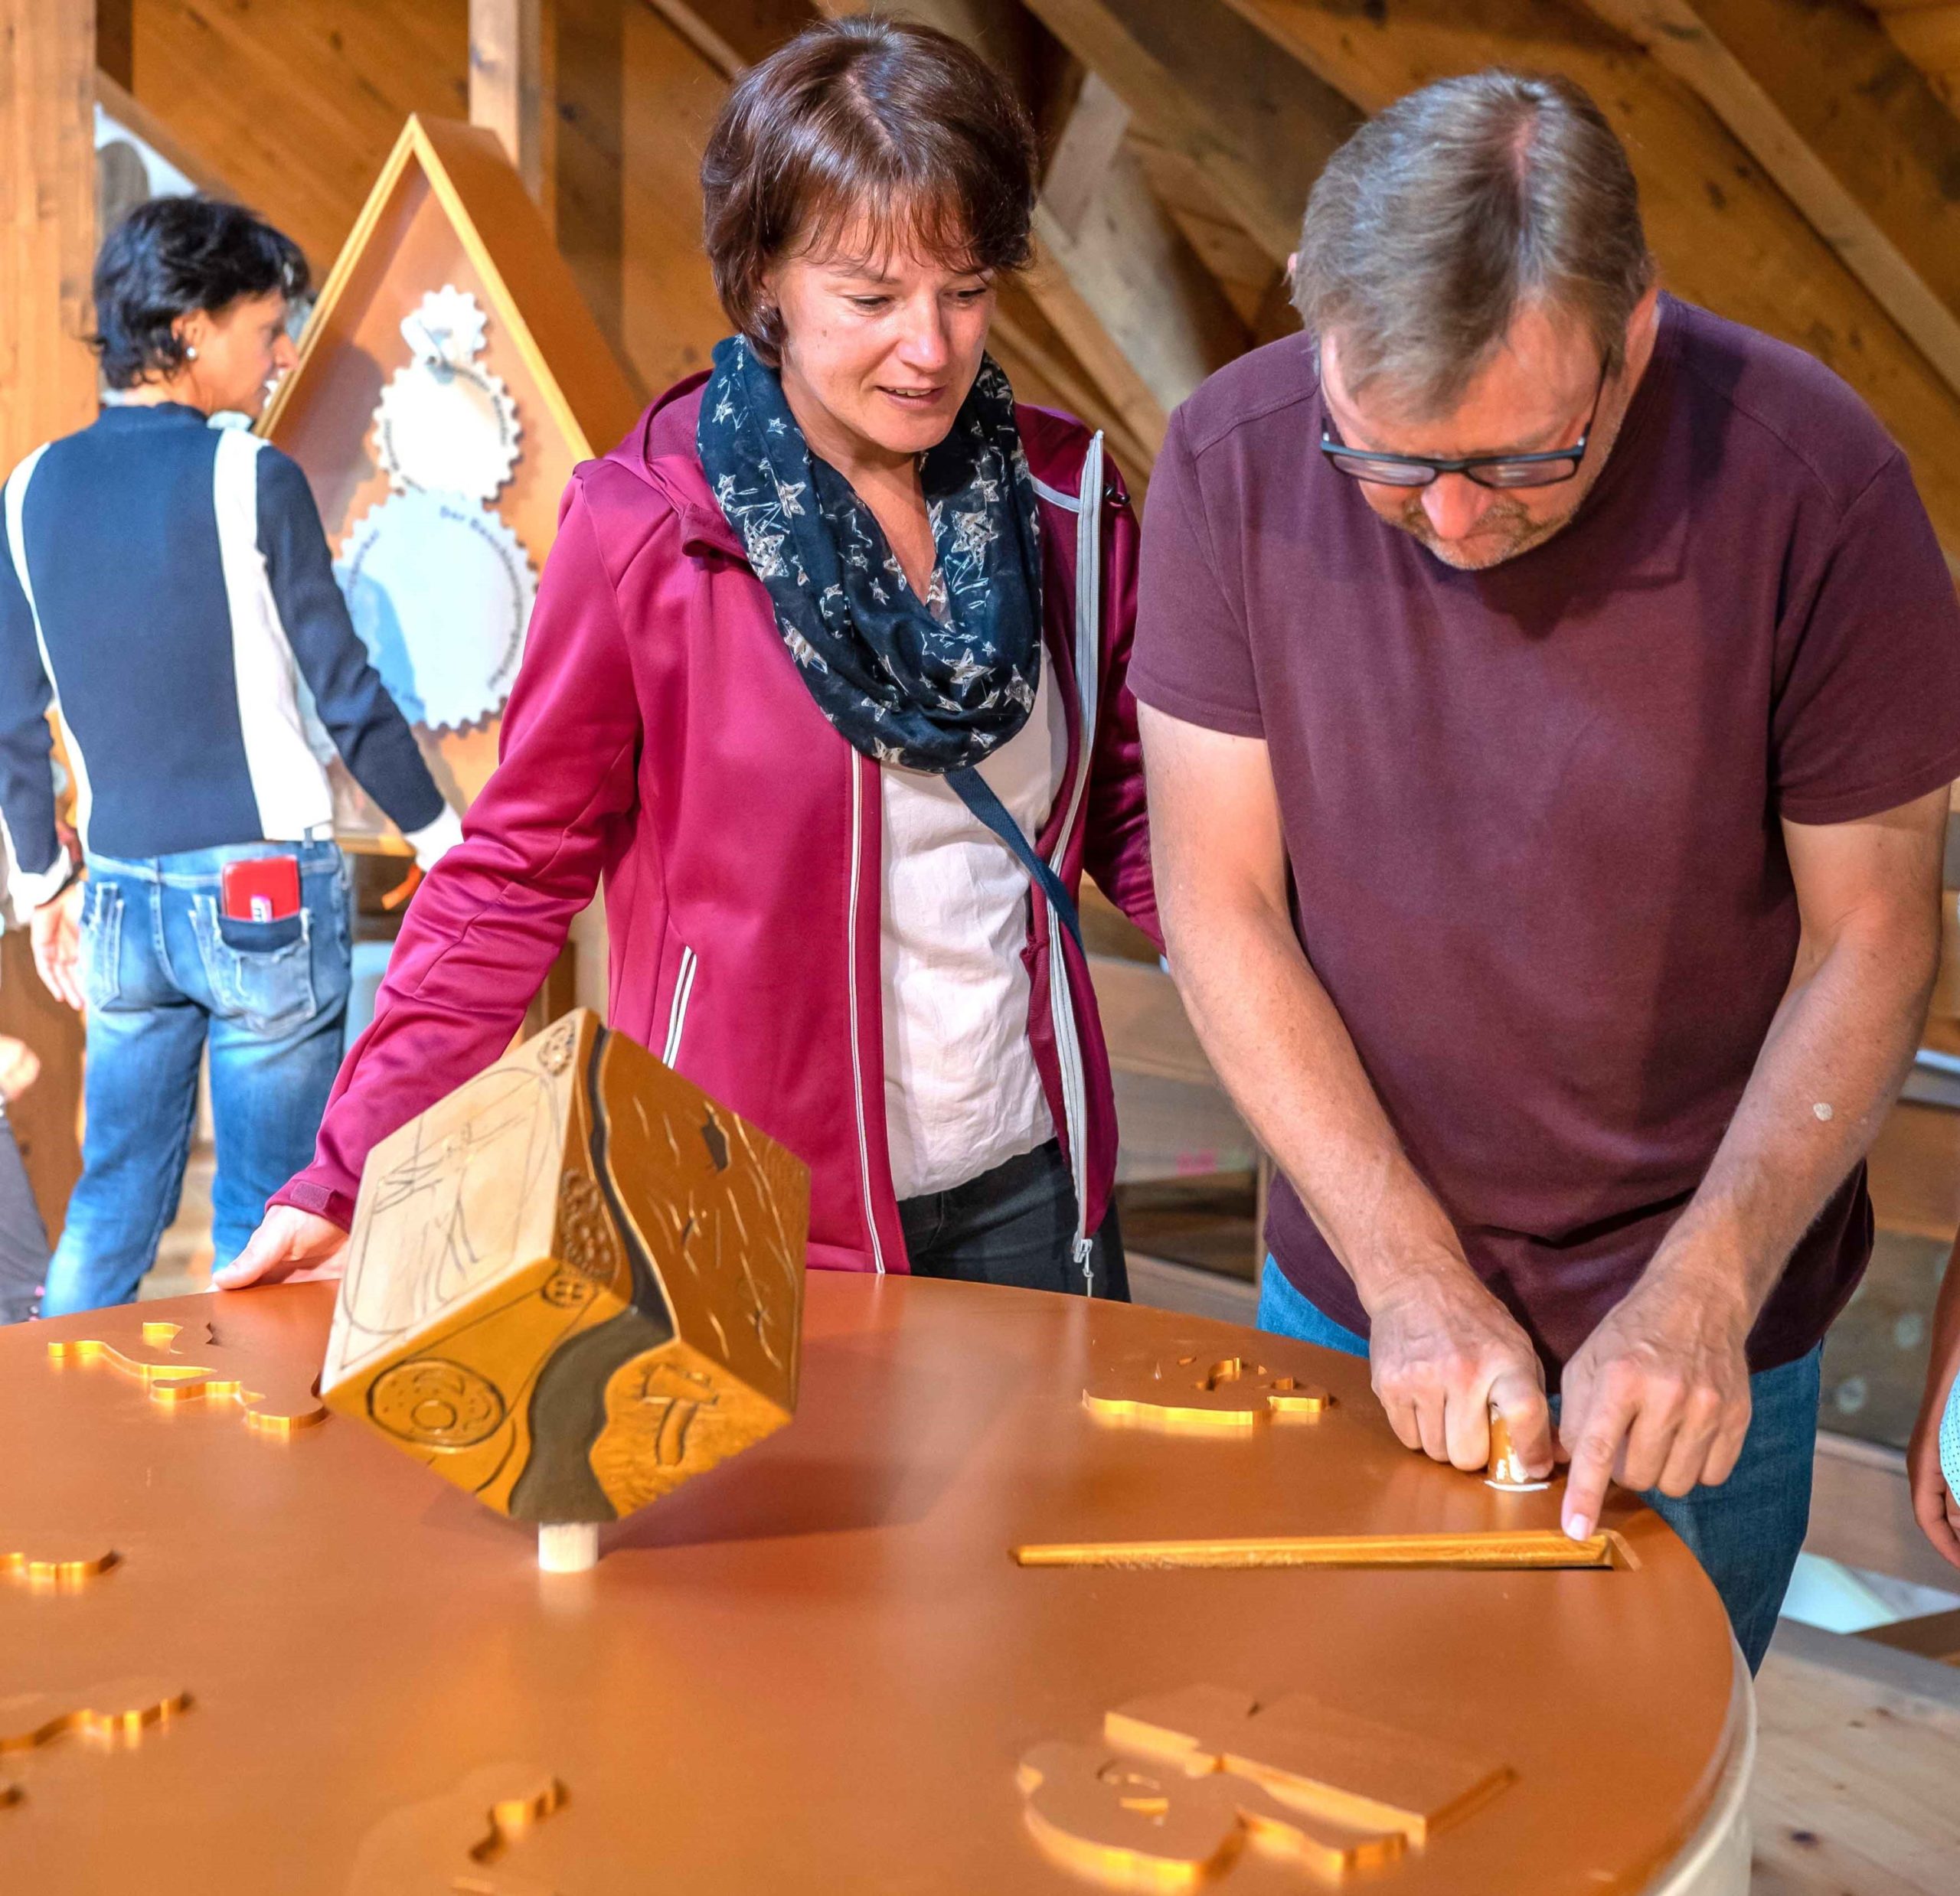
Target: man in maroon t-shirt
point(1551, 691)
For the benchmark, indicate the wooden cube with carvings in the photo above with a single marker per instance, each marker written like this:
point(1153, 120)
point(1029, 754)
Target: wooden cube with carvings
point(574, 1284)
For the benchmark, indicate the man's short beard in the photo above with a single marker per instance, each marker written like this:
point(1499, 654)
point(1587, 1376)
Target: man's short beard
point(1503, 533)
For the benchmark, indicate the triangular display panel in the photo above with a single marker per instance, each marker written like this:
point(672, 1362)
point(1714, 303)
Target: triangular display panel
point(449, 379)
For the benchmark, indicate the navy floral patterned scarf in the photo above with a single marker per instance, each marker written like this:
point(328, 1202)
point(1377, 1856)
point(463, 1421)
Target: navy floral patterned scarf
point(903, 685)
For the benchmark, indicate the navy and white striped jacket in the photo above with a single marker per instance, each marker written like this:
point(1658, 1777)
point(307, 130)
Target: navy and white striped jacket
point(167, 585)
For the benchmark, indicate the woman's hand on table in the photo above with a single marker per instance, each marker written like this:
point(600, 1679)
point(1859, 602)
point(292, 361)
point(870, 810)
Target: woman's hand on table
point(290, 1246)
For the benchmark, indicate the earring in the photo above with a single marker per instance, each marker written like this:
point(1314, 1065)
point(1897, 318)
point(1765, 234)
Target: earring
point(189, 352)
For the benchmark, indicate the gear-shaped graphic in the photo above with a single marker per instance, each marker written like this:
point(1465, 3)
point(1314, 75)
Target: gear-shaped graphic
point(446, 326)
point(445, 422)
point(440, 591)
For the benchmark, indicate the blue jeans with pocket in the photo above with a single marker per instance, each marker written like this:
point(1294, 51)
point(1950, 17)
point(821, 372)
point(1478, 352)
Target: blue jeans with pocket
point(1747, 1533)
point(167, 972)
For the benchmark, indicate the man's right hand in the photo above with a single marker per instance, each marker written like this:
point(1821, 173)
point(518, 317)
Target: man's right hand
point(289, 1247)
point(1442, 1349)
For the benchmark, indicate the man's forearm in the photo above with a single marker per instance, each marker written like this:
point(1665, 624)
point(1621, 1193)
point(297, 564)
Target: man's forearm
point(1286, 1057)
point(1829, 1071)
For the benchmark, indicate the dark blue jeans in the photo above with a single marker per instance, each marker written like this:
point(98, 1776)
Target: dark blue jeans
point(1747, 1533)
point(1015, 1224)
point(166, 972)
point(23, 1237)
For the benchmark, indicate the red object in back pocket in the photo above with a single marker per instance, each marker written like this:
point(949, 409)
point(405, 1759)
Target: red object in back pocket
point(264, 889)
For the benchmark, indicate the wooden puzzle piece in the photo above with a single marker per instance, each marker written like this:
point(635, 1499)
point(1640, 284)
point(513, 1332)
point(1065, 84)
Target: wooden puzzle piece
point(1143, 1823)
point(39, 1569)
point(184, 1363)
point(1506, 1550)
point(119, 1714)
point(1187, 1389)
point(457, 1842)
point(1331, 1764)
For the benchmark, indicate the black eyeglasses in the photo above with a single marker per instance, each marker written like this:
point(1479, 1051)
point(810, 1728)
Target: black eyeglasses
point(1544, 469)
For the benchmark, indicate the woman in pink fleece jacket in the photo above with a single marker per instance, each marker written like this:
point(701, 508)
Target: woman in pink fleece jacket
point(825, 682)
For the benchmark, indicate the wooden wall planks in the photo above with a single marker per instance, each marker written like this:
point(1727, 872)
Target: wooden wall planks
point(1726, 235)
point(46, 220)
point(298, 105)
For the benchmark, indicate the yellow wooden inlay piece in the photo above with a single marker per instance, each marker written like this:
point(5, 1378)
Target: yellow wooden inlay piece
point(1195, 1392)
point(1546, 1547)
point(459, 1842)
point(1183, 1781)
point(62, 1571)
point(119, 1714)
point(184, 1362)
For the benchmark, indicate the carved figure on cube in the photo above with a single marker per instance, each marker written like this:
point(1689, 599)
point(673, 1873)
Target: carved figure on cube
point(573, 1284)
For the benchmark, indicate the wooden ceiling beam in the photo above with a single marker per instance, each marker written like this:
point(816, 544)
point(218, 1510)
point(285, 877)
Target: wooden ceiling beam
point(510, 90)
point(134, 117)
point(730, 34)
point(1727, 235)
point(1929, 37)
point(1203, 82)
point(1133, 300)
point(1824, 102)
point(1092, 137)
point(47, 234)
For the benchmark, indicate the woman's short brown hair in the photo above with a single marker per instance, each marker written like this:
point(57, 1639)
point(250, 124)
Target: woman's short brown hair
point(863, 128)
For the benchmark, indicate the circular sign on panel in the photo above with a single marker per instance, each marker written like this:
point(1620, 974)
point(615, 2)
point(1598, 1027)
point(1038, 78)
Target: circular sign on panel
point(440, 592)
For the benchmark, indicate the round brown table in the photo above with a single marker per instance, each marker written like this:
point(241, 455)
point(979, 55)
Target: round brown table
point(817, 1668)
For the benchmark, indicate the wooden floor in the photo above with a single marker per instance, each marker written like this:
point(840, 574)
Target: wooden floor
point(1857, 1777)
point(184, 1258)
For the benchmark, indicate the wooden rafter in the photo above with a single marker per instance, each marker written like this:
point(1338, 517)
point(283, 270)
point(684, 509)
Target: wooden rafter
point(134, 117)
point(1092, 138)
point(1928, 33)
point(1203, 83)
point(730, 34)
point(1830, 108)
point(1133, 300)
point(509, 89)
point(1727, 234)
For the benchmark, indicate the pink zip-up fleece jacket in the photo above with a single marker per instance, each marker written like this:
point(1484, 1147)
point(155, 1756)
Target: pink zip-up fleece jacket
point(659, 738)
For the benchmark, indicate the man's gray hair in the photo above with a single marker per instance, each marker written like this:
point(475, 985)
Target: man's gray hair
point(1461, 205)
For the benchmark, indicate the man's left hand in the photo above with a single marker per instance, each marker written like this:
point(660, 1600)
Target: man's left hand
point(1658, 1395)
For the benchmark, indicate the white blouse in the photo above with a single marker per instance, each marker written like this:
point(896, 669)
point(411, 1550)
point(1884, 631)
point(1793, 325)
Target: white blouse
point(962, 1094)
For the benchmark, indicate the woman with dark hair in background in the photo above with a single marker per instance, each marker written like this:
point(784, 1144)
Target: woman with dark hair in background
point(165, 585)
point(826, 679)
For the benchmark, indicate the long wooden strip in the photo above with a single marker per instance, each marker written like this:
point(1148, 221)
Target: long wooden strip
point(1545, 1547)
